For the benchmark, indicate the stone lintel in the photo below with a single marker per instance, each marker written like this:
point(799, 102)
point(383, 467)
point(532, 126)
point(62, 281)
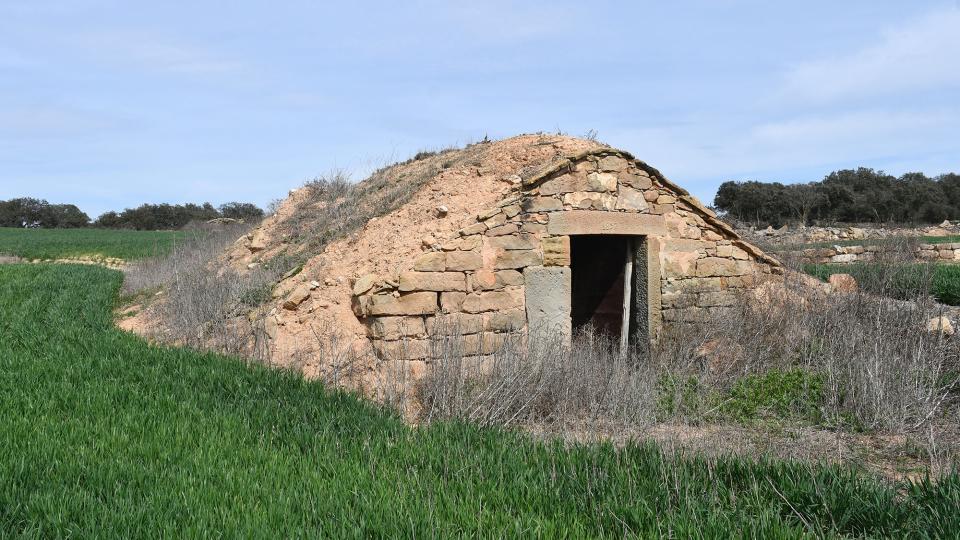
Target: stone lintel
point(574, 222)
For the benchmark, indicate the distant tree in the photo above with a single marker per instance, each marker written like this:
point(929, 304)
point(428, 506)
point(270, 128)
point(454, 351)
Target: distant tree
point(238, 210)
point(849, 195)
point(26, 211)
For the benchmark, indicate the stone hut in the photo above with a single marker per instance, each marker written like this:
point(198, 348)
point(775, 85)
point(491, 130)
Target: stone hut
point(597, 238)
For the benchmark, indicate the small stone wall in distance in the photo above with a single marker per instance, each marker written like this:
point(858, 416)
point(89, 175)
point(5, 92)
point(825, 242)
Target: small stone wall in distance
point(947, 252)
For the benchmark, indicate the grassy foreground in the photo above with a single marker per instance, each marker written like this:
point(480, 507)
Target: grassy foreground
point(907, 282)
point(63, 243)
point(102, 434)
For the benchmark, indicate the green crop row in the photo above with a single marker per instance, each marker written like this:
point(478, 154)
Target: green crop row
point(67, 243)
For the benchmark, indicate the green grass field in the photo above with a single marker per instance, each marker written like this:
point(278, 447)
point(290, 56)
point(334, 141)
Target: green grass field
point(64, 243)
point(941, 280)
point(102, 434)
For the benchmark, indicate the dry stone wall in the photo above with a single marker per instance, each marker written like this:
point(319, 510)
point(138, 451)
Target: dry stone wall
point(475, 284)
point(945, 252)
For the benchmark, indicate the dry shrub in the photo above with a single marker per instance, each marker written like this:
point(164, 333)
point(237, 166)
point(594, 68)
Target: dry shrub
point(863, 362)
point(203, 303)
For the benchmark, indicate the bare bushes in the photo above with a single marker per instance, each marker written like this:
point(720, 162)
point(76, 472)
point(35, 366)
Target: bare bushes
point(540, 380)
point(203, 303)
point(789, 353)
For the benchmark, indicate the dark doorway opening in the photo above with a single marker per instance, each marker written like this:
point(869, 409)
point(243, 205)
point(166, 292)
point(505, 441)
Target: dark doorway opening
point(599, 265)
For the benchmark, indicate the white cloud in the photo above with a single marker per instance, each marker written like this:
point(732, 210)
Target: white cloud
point(921, 53)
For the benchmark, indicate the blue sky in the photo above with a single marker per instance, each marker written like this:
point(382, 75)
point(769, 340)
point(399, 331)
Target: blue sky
point(108, 104)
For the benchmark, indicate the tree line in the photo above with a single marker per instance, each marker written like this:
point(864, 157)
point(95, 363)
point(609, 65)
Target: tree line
point(863, 195)
point(38, 213)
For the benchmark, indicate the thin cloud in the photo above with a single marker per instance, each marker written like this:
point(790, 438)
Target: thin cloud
point(923, 53)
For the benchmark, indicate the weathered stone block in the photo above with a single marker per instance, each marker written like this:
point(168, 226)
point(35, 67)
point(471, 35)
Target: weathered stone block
point(716, 266)
point(455, 324)
point(476, 228)
point(463, 260)
point(635, 180)
point(631, 199)
point(406, 349)
point(588, 200)
point(298, 296)
point(479, 302)
point(601, 181)
point(511, 210)
point(516, 259)
point(505, 321)
point(732, 252)
point(612, 163)
point(541, 204)
point(488, 280)
point(430, 262)
point(417, 303)
point(534, 228)
point(564, 183)
point(651, 195)
point(514, 242)
point(844, 258)
point(433, 281)
point(666, 199)
point(548, 291)
point(505, 229)
point(451, 302)
point(393, 328)
point(556, 250)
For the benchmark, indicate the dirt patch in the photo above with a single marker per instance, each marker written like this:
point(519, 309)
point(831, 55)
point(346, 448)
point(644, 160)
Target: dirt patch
point(895, 457)
point(10, 259)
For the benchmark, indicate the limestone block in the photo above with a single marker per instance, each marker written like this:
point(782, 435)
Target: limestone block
point(716, 266)
point(631, 199)
point(677, 300)
point(298, 296)
point(678, 263)
point(843, 258)
point(534, 228)
point(514, 242)
point(434, 261)
point(732, 252)
point(451, 302)
point(476, 228)
point(364, 284)
point(432, 281)
point(548, 291)
point(479, 302)
point(511, 211)
point(601, 181)
point(651, 195)
point(719, 298)
point(455, 324)
point(488, 280)
point(463, 260)
point(464, 243)
point(587, 200)
point(516, 259)
point(505, 321)
point(661, 209)
point(416, 303)
point(406, 349)
point(564, 183)
point(541, 204)
point(393, 328)
point(666, 199)
point(495, 221)
point(507, 228)
point(634, 179)
point(556, 250)
point(487, 214)
point(612, 163)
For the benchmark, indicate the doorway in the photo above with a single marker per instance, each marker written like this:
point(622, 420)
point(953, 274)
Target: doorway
point(609, 286)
